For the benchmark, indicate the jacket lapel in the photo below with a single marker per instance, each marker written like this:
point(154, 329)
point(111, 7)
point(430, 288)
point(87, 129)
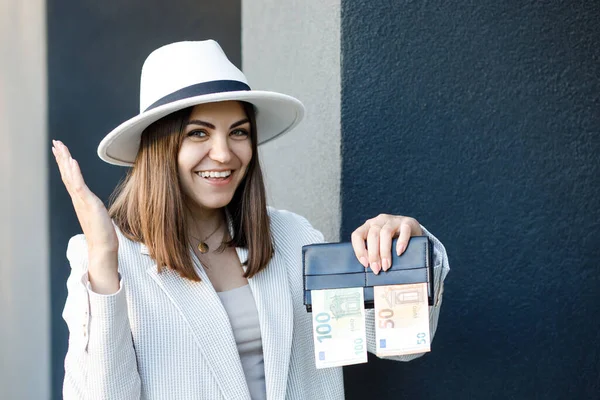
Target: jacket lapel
point(201, 307)
point(271, 292)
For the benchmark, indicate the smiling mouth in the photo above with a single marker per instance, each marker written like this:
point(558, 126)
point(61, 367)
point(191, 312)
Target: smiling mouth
point(215, 175)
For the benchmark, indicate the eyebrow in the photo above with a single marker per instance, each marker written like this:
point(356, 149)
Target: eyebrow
point(211, 126)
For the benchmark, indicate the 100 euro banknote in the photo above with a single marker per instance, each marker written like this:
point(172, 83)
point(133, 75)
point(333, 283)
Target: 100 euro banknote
point(401, 319)
point(339, 327)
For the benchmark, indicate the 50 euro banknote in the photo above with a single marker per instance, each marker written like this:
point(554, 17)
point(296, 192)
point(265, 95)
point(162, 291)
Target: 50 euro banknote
point(339, 327)
point(401, 319)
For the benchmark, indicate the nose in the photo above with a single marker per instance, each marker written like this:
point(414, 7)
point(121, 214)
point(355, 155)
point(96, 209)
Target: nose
point(220, 150)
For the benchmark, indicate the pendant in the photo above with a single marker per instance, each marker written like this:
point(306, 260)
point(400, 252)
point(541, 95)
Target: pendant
point(202, 247)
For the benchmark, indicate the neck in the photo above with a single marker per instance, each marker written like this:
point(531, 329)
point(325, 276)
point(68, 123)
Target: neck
point(203, 222)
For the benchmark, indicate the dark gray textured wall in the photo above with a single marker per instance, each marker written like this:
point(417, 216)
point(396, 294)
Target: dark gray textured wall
point(482, 120)
point(95, 55)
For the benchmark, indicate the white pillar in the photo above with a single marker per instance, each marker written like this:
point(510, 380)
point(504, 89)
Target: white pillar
point(24, 262)
point(294, 47)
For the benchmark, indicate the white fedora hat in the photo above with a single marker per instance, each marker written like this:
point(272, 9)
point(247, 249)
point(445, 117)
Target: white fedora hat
point(184, 74)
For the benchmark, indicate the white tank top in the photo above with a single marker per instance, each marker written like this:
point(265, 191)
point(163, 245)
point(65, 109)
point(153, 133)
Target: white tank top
point(243, 316)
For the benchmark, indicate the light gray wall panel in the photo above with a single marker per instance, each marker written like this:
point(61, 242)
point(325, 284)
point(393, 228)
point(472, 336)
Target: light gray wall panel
point(294, 47)
point(24, 289)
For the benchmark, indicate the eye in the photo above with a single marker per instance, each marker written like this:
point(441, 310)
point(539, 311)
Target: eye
point(197, 133)
point(240, 133)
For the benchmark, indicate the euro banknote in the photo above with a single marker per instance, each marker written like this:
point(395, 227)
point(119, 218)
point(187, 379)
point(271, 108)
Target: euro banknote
point(401, 319)
point(339, 327)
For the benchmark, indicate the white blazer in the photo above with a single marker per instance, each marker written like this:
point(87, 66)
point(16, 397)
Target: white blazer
point(164, 337)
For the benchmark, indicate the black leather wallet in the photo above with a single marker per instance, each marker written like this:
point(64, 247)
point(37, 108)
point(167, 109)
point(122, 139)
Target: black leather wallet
point(334, 265)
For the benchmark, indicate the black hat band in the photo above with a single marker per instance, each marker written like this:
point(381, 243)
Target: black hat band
point(200, 89)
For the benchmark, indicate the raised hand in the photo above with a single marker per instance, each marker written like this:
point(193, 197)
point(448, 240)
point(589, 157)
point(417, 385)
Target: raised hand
point(95, 222)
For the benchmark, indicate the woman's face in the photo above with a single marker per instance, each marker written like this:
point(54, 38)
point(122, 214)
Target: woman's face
point(214, 154)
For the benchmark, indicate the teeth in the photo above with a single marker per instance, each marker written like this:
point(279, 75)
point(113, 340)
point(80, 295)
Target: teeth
point(215, 174)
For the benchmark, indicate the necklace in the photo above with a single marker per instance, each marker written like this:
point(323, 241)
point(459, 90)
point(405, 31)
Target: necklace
point(203, 246)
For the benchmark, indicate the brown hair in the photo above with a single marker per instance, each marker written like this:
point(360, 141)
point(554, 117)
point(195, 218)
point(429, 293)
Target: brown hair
point(148, 206)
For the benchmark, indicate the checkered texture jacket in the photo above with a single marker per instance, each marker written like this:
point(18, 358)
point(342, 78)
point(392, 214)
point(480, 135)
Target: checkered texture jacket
point(164, 337)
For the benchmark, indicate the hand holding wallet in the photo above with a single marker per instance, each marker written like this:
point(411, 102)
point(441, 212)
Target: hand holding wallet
point(334, 265)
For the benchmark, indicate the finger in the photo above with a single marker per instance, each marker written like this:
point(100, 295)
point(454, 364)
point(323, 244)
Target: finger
point(85, 202)
point(54, 151)
point(72, 176)
point(63, 148)
point(63, 152)
point(385, 244)
point(405, 230)
point(358, 238)
point(373, 248)
point(77, 181)
point(60, 151)
point(66, 173)
point(62, 164)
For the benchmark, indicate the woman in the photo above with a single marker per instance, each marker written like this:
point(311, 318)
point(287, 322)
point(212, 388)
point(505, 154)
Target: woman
point(148, 318)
